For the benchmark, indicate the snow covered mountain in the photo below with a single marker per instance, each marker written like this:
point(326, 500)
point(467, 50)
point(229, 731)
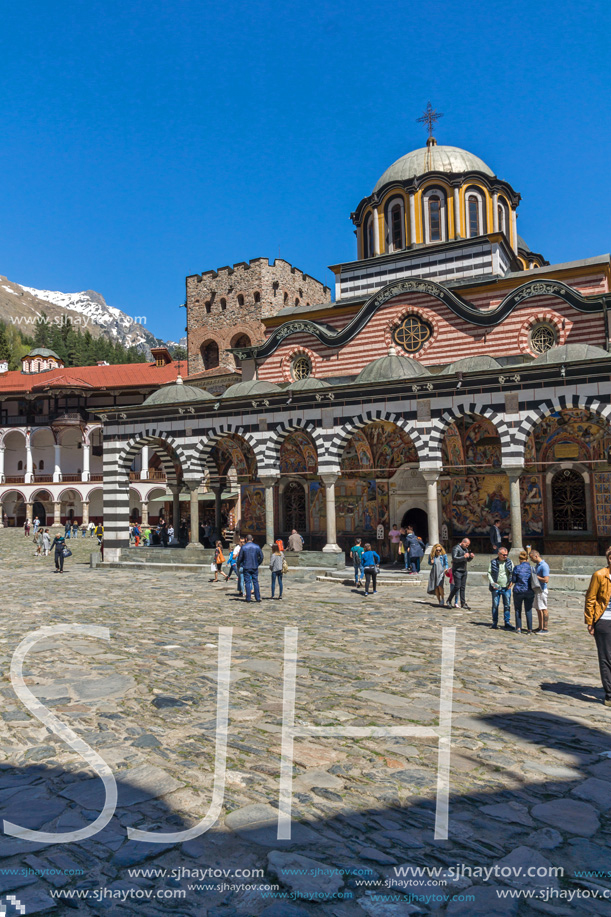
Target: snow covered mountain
point(88, 310)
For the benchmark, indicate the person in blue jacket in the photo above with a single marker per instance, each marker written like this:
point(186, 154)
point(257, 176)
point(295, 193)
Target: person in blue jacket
point(523, 594)
point(414, 550)
point(249, 561)
point(369, 560)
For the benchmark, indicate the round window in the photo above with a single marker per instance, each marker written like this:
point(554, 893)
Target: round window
point(542, 338)
point(301, 368)
point(412, 334)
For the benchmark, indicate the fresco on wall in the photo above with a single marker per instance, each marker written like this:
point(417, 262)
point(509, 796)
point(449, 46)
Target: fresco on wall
point(298, 455)
point(445, 498)
point(571, 434)
point(531, 499)
point(602, 500)
point(380, 447)
point(231, 450)
point(476, 500)
point(452, 453)
point(318, 508)
point(482, 445)
point(530, 452)
point(253, 508)
point(360, 506)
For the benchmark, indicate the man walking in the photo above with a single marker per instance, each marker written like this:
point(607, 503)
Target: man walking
point(540, 603)
point(499, 580)
point(250, 559)
point(461, 556)
point(598, 618)
point(494, 533)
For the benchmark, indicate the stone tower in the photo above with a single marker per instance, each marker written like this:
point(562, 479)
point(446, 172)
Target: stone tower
point(225, 308)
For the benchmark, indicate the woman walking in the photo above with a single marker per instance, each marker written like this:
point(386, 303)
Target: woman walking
point(276, 565)
point(38, 543)
point(438, 559)
point(369, 561)
point(59, 544)
point(219, 560)
point(523, 595)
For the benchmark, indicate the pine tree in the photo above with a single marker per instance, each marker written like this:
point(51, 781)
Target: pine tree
point(5, 349)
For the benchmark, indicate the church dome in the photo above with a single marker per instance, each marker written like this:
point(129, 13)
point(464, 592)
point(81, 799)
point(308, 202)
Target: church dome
point(571, 353)
point(471, 365)
point(253, 387)
point(308, 384)
point(432, 158)
point(177, 393)
point(391, 368)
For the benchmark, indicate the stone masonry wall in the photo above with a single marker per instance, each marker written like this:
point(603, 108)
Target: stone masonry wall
point(225, 305)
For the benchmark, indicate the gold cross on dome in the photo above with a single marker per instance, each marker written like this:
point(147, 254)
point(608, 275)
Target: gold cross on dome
point(430, 117)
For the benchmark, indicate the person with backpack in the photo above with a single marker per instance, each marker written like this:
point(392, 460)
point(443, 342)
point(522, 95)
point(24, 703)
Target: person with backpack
point(369, 565)
point(250, 559)
point(277, 567)
point(219, 560)
point(356, 553)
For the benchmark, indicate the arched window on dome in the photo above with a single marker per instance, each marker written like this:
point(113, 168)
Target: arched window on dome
point(395, 222)
point(475, 213)
point(503, 217)
point(434, 202)
point(368, 239)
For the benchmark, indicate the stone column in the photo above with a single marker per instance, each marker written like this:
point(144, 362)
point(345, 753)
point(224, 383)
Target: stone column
point(29, 465)
point(456, 213)
point(432, 502)
point(217, 509)
point(515, 507)
point(495, 212)
point(145, 512)
point(269, 481)
point(144, 463)
point(57, 513)
point(194, 542)
point(57, 471)
point(85, 512)
point(412, 220)
point(2, 465)
point(331, 546)
point(1, 515)
point(85, 471)
point(175, 491)
point(28, 511)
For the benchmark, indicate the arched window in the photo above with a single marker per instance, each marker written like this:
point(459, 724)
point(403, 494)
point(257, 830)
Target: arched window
point(286, 299)
point(368, 240)
point(240, 340)
point(473, 215)
point(503, 217)
point(210, 355)
point(294, 505)
point(297, 301)
point(20, 466)
point(569, 501)
point(208, 306)
point(223, 305)
point(257, 296)
point(434, 215)
point(395, 239)
point(41, 465)
point(435, 218)
point(240, 299)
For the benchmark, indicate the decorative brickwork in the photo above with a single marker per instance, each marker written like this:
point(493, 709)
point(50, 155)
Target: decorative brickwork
point(226, 307)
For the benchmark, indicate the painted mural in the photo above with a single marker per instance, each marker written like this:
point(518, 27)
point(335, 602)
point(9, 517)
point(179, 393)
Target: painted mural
point(232, 450)
point(318, 507)
point(298, 455)
point(471, 444)
point(378, 449)
point(360, 506)
point(531, 499)
point(602, 497)
point(572, 434)
point(453, 455)
point(475, 500)
point(253, 508)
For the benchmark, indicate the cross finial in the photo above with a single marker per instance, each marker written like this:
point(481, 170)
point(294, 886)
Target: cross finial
point(430, 117)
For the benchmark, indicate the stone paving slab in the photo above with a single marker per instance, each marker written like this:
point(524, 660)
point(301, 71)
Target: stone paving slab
point(529, 774)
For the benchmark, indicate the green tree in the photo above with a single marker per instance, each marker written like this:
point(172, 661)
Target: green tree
point(5, 349)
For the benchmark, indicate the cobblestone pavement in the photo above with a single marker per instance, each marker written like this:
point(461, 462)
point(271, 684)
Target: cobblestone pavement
point(530, 766)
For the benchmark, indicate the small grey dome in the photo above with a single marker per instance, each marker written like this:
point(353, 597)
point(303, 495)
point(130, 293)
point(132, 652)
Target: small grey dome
point(523, 245)
point(308, 384)
point(571, 353)
point(471, 365)
point(177, 393)
point(248, 389)
point(391, 368)
point(42, 352)
point(433, 158)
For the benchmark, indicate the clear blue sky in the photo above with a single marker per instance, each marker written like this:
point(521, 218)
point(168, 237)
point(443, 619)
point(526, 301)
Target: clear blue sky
point(144, 141)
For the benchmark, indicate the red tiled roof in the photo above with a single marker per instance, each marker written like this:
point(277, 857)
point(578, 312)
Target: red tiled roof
point(122, 375)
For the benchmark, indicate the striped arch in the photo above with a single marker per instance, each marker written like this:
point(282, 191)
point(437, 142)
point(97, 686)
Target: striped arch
point(274, 441)
point(439, 426)
point(200, 459)
point(533, 416)
point(333, 442)
point(131, 449)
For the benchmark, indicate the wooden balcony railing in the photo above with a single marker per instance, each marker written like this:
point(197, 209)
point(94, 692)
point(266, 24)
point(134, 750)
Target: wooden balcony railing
point(151, 476)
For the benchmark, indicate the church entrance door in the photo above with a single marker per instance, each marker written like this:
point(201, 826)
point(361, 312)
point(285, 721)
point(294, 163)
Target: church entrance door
point(419, 520)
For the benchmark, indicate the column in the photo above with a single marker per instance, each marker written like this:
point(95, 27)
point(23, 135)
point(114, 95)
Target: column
point(331, 546)
point(514, 225)
point(376, 235)
point(2, 465)
point(144, 513)
point(412, 220)
point(1, 515)
point(175, 491)
point(57, 513)
point(515, 508)
point(144, 463)
point(495, 212)
point(456, 213)
point(432, 504)
point(217, 509)
point(29, 465)
point(85, 471)
point(85, 512)
point(28, 511)
point(116, 499)
point(194, 541)
point(269, 481)
point(57, 471)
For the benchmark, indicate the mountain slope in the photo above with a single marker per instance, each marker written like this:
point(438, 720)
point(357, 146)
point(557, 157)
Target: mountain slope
point(24, 307)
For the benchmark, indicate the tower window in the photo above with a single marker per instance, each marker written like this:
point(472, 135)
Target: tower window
point(503, 217)
point(210, 355)
point(223, 305)
point(286, 298)
point(435, 218)
point(396, 229)
point(297, 301)
point(473, 215)
point(208, 307)
point(240, 299)
point(257, 296)
point(368, 248)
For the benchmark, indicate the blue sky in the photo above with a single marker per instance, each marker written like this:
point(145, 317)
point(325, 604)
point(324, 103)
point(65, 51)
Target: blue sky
point(144, 141)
